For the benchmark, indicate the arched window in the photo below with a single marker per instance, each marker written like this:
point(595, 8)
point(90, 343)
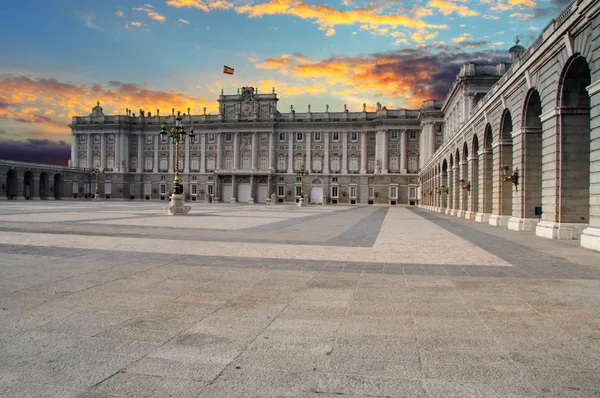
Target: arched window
point(180, 163)
point(353, 166)
point(96, 161)
point(133, 163)
point(281, 163)
point(246, 161)
point(412, 163)
point(195, 163)
point(148, 163)
point(82, 162)
point(317, 164)
point(335, 163)
point(110, 161)
point(262, 163)
point(164, 163)
point(228, 162)
point(299, 162)
point(371, 164)
point(394, 164)
point(210, 162)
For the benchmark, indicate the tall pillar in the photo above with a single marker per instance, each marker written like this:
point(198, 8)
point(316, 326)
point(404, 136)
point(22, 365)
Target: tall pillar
point(378, 151)
point(326, 152)
point(307, 161)
point(254, 151)
point(344, 152)
point(219, 151)
point(384, 153)
point(102, 151)
point(473, 193)
point(89, 151)
point(403, 152)
point(140, 155)
point(290, 153)
point(502, 201)
point(450, 187)
point(170, 157)
point(155, 169)
point(484, 187)
point(590, 237)
point(125, 153)
point(431, 143)
point(455, 189)
point(363, 152)
point(236, 150)
point(462, 193)
point(234, 193)
point(186, 159)
point(74, 151)
point(272, 164)
point(203, 153)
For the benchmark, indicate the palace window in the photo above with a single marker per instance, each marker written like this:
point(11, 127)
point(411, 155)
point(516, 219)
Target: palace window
point(371, 137)
point(353, 166)
point(210, 188)
point(281, 190)
point(228, 162)
point(335, 136)
point(262, 163)
point(298, 162)
point(194, 189)
point(334, 192)
point(195, 163)
point(317, 164)
point(263, 137)
point(317, 137)
point(394, 134)
point(147, 188)
point(298, 190)
point(227, 137)
point(282, 137)
point(133, 164)
point(211, 138)
point(371, 165)
point(299, 137)
point(110, 162)
point(412, 163)
point(246, 163)
point(394, 193)
point(148, 139)
point(180, 163)
point(394, 164)
point(412, 134)
point(148, 163)
point(210, 163)
point(163, 189)
point(82, 139)
point(281, 163)
point(164, 163)
point(413, 193)
point(353, 192)
point(354, 136)
point(96, 138)
point(335, 163)
point(96, 161)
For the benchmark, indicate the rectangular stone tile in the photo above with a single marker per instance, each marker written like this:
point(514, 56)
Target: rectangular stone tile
point(477, 389)
point(375, 368)
point(343, 385)
point(176, 369)
point(135, 385)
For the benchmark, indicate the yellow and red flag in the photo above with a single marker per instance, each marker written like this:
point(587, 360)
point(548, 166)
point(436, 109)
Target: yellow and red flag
point(227, 70)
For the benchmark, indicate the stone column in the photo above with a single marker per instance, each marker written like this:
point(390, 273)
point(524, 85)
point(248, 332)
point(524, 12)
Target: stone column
point(378, 152)
point(502, 191)
point(236, 150)
point(74, 151)
point(102, 151)
point(290, 153)
point(590, 236)
point(384, 153)
point(155, 169)
point(140, 155)
point(473, 193)
point(234, 193)
point(219, 152)
point(171, 170)
point(485, 182)
point(450, 187)
point(363, 152)
point(307, 161)
point(125, 154)
point(272, 161)
point(462, 193)
point(186, 159)
point(326, 157)
point(431, 143)
point(202, 153)
point(89, 150)
point(455, 190)
point(254, 152)
point(344, 152)
point(403, 152)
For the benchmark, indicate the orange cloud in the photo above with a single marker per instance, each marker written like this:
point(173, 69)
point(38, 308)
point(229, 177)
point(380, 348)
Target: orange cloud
point(449, 7)
point(120, 14)
point(329, 17)
point(201, 4)
point(49, 103)
point(151, 14)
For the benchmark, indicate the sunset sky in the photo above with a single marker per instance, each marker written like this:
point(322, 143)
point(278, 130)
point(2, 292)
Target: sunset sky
point(61, 56)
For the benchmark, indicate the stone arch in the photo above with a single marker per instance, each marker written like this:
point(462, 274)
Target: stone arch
point(12, 187)
point(488, 170)
point(464, 178)
point(474, 180)
point(44, 188)
point(450, 180)
point(456, 181)
point(317, 181)
point(574, 103)
point(505, 152)
point(57, 187)
point(531, 156)
point(444, 184)
point(28, 190)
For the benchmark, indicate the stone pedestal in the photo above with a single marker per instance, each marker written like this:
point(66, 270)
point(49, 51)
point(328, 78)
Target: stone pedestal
point(482, 217)
point(233, 200)
point(251, 201)
point(498, 221)
point(590, 238)
point(562, 231)
point(522, 224)
point(97, 197)
point(300, 202)
point(176, 206)
point(469, 215)
point(460, 213)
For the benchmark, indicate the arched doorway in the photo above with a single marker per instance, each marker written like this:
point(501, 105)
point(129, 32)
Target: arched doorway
point(504, 190)
point(444, 186)
point(529, 195)
point(316, 191)
point(44, 188)
point(464, 178)
point(450, 185)
point(475, 175)
point(58, 186)
point(575, 145)
point(262, 190)
point(456, 198)
point(227, 189)
point(488, 175)
point(28, 185)
point(12, 189)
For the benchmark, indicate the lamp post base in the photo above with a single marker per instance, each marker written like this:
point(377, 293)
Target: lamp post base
point(176, 206)
point(300, 202)
point(97, 197)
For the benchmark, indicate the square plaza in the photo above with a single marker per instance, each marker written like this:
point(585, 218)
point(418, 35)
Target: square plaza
point(116, 299)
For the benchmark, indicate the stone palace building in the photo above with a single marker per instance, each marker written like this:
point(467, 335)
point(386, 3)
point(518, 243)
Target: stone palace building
point(515, 144)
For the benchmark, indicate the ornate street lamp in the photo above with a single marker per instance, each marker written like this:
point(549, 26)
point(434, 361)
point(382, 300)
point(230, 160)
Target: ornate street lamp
point(301, 172)
point(506, 176)
point(177, 135)
point(97, 172)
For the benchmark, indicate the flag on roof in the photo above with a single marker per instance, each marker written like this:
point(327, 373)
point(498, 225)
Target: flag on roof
point(227, 70)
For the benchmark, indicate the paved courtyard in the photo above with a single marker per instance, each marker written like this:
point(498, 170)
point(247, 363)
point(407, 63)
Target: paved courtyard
point(115, 299)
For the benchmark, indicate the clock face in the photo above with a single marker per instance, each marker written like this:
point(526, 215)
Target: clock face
point(246, 109)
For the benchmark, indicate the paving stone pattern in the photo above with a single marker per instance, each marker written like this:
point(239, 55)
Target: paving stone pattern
point(518, 318)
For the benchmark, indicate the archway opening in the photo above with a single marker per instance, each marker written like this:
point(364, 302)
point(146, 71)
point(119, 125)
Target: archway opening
point(28, 185)
point(575, 143)
point(475, 173)
point(531, 184)
point(444, 185)
point(456, 182)
point(58, 186)
point(44, 188)
point(11, 185)
point(506, 158)
point(488, 175)
point(464, 176)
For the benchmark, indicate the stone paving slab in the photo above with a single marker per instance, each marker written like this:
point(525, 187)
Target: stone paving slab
point(489, 315)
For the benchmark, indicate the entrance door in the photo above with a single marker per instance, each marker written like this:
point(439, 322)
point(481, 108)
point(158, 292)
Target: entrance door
point(316, 195)
point(243, 193)
point(227, 192)
point(262, 193)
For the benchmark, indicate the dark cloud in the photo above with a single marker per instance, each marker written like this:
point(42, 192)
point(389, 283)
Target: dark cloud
point(36, 151)
point(4, 104)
